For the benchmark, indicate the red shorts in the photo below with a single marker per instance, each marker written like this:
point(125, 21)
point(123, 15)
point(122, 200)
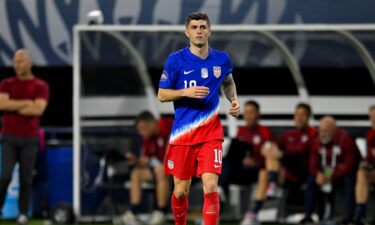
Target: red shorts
point(186, 161)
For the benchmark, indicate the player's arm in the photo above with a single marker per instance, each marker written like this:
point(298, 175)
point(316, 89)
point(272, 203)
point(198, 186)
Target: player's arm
point(229, 89)
point(7, 104)
point(36, 109)
point(167, 95)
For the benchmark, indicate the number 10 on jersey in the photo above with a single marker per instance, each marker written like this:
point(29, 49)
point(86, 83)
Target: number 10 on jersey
point(191, 83)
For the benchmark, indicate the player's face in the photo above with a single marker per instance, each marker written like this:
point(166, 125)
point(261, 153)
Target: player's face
point(198, 33)
point(372, 117)
point(146, 129)
point(251, 115)
point(21, 64)
point(301, 118)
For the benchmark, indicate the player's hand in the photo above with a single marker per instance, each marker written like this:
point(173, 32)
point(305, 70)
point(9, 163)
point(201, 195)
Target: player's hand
point(197, 92)
point(235, 108)
point(131, 158)
point(320, 178)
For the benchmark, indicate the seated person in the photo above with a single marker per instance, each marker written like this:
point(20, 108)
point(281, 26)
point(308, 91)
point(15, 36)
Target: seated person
point(293, 158)
point(333, 162)
point(366, 172)
point(149, 167)
point(246, 165)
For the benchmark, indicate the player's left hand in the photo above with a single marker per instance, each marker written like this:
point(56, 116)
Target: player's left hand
point(235, 108)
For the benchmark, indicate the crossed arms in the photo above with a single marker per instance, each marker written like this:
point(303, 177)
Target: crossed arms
point(25, 107)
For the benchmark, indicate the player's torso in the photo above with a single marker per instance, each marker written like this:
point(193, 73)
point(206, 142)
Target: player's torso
point(27, 89)
point(254, 136)
point(296, 142)
point(198, 116)
point(194, 71)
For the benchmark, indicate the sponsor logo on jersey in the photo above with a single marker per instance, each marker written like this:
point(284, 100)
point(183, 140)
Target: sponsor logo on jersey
point(187, 72)
point(170, 164)
point(217, 71)
point(164, 76)
point(304, 138)
point(204, 72)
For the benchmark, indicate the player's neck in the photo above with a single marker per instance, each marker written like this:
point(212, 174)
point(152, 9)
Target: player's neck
point(201, 52)
point(26, 76)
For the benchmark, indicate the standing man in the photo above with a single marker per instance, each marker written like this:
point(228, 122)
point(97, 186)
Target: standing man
point(23, 99)
point(191, 79)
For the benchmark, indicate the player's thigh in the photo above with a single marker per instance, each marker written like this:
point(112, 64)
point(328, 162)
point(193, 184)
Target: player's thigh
point(210, 155)
point(180, 161)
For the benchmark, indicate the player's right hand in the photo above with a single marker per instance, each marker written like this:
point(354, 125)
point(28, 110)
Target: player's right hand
point(197, 92)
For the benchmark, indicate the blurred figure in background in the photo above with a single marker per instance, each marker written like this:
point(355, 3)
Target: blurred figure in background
point(333, 163)
point(253, 163)
point(23, 99)
point(149, 168)
point(366, 173)
point(295, 150)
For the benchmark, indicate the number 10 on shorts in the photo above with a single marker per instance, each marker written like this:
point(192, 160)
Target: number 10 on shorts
point(218, 155)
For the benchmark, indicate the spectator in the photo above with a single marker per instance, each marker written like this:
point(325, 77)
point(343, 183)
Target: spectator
point(149, 167)
point(23, 99)
point(366, 172)
point(333, 162)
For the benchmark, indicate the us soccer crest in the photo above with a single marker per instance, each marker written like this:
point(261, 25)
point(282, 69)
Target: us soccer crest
point(217, 71)
point(204, 72)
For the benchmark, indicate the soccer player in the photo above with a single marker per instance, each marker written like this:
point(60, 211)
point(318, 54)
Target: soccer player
point(366, 172)
point(191, 79)
point(23, 99)
point(333, 162)
point(149, 167)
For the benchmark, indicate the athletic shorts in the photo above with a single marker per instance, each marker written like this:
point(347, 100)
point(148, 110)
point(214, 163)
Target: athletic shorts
point(186, 161)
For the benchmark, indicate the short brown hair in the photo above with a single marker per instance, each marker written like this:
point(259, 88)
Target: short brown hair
point(145, 116)
point(304, 106)
point(253, 103)
point(197, 16)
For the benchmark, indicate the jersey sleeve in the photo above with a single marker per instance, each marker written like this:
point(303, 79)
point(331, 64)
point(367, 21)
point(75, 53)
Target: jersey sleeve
point(370, 147)
point(228, 67)
point(43, 91)
point(168, 76)
point(349, 149)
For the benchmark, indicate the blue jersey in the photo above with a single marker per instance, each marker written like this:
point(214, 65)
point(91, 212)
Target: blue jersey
point(196, 120)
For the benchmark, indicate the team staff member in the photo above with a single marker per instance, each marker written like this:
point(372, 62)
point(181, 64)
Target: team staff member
point(333, 162)
point(149, 167)
point(366, 172)
point(23, 99)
